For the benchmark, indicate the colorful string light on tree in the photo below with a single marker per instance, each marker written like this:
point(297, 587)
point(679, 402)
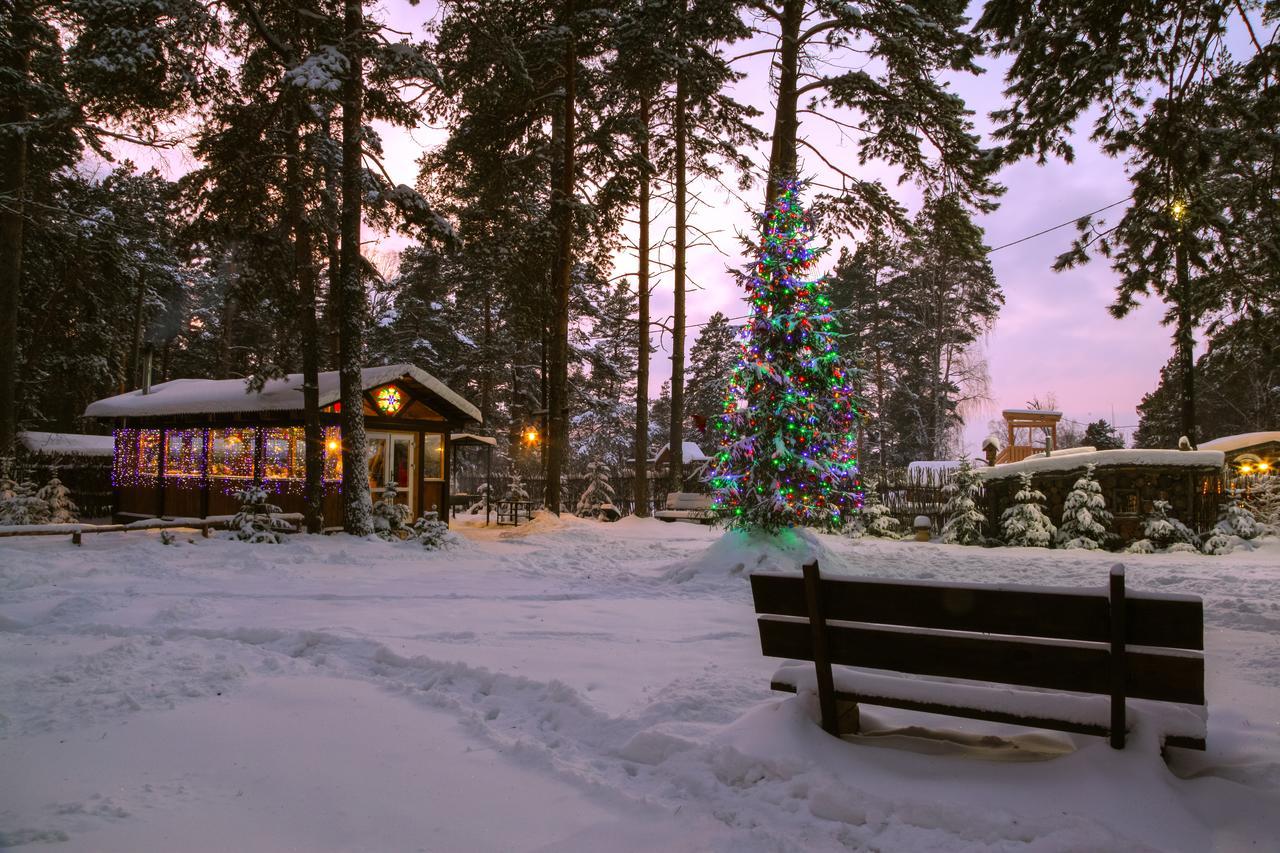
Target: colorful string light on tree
point(788, 453)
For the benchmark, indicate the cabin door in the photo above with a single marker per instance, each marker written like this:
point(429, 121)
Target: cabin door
point(391, 461)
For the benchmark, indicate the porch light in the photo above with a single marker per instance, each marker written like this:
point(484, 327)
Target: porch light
point(531, 435)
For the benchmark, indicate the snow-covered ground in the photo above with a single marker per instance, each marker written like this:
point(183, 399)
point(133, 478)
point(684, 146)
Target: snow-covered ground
point(567, 685)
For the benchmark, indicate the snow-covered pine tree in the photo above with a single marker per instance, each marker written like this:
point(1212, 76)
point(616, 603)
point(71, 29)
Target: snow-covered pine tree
point(711, 362)
point(1163, 530)
point(1085, 518)
point(62, 510)
point(964, 520)
point(391, 519)
point(432, 532)
point(25, 507)
point(1234, 519)
point(597, 500)
point(515, 489)
point(1263, 500)
point(1025, 524)
point(253, 521)
point(788, 452)
point(874, 519)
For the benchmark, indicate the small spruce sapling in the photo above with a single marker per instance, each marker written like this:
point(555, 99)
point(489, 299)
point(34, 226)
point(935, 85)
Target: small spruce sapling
point(874, 518)
point(1084, 515)
point(391, 519)
point(433, 533)
point(1164, 531)
point(1235, 519)
point(25, 506)
point(253, 522)
point(516, 490)
point(597, 500)
point(964, 520)
point(1263, 501)
point(1025, 524)
point(58, 498)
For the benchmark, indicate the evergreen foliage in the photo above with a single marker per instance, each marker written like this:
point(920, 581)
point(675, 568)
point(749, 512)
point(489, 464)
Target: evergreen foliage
point(1235, 519)
point(24, 506)
point(1025, 524)
point(1085, 518)
point(597, 499)
point(1263, 501)
point(1163, 530)
point(515, 488)
point(253, 521)
point(874, 518)
point(391, 519)
point(711, 362)
point(965, 522)
point(1100, 435)
point(433, 533)
point(789, 431)
point(57, 497)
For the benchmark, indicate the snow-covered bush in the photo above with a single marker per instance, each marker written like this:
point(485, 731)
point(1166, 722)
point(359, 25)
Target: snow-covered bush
point(1141, 546)
point(1165, 531)
point(1263, 500)
point(24, 506)
point(1025, 523)
point(433, 533)
point(1219, 544)
point(964, 520)
point(1182, 548)
point(516, 490)
point(391, 519)
point(58, 498)
point(1236, 520)
point(1084, 515)
point(253, 522)
point(597, 500)
point(874, 518)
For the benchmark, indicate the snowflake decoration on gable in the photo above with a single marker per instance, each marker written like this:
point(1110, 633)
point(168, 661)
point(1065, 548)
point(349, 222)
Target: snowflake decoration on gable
point(389, 400)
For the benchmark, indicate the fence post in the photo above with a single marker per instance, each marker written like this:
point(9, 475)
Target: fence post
point(1118, 634)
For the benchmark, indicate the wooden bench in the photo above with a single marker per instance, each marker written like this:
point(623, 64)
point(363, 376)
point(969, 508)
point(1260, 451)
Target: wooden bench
point(1086, 643)
point(687, 506)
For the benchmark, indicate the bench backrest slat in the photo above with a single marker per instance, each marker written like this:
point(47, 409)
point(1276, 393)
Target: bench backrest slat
point(1151, 619)
point(1079, 667)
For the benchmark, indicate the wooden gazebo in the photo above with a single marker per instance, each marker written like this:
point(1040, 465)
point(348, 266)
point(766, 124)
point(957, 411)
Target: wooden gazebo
point(1024, 425)
point(184, 447)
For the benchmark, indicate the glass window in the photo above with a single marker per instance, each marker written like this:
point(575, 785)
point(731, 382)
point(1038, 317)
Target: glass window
point(433, 456)
point(333, 453)
point(231, 452)
point(376, 456)
point(184, 453)
point(284, 454)
point(149, 452)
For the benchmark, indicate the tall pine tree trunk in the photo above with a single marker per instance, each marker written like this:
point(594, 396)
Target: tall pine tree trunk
point(304, 273)
point(640, 480)
point(357, 515)
point(675, 449)
point(1184, 341)
point(786, 121)
point(558, 358)
point(16, 57)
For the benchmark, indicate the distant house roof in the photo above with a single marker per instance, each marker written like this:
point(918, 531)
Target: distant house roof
point(690, 453)
point(1229, 443)
point(67, 443)
point(207, 396)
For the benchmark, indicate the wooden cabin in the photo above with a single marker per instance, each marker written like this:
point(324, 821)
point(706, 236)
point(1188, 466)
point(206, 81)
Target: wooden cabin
point(183, 448)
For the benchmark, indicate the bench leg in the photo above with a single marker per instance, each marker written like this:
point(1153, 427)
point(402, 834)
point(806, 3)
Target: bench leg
point(850, 719)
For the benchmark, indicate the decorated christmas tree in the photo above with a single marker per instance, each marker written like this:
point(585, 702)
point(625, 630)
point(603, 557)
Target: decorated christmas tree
point(1025, 524)
point(789, 429)
point(1084, 515)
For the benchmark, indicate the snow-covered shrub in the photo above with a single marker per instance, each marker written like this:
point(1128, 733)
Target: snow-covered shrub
point(1025, 523)
point(1084, 515)
point(433, 533)
point(1141, 546)
point(253, 522)
point(597, 500)
point(1182, 548)
point(391, 519)
point(1219, 544)
point(516, 490)
point(1263, 500)
point(25, 506)
point(58, 498)
point(964, 520)
point(1236, 520)
point(1164, 531)
point(168, 537)
point(874, 518)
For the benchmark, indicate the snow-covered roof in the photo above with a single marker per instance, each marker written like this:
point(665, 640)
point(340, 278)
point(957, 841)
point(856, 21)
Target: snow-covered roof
point(472, 438)
point(690, 452)
point(1064, 461)
point(1229, 443)
point(67, 443)
point(206, 396)
point(1049, 412)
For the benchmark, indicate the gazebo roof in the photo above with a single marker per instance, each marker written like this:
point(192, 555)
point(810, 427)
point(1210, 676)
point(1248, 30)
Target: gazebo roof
point(220, 396)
